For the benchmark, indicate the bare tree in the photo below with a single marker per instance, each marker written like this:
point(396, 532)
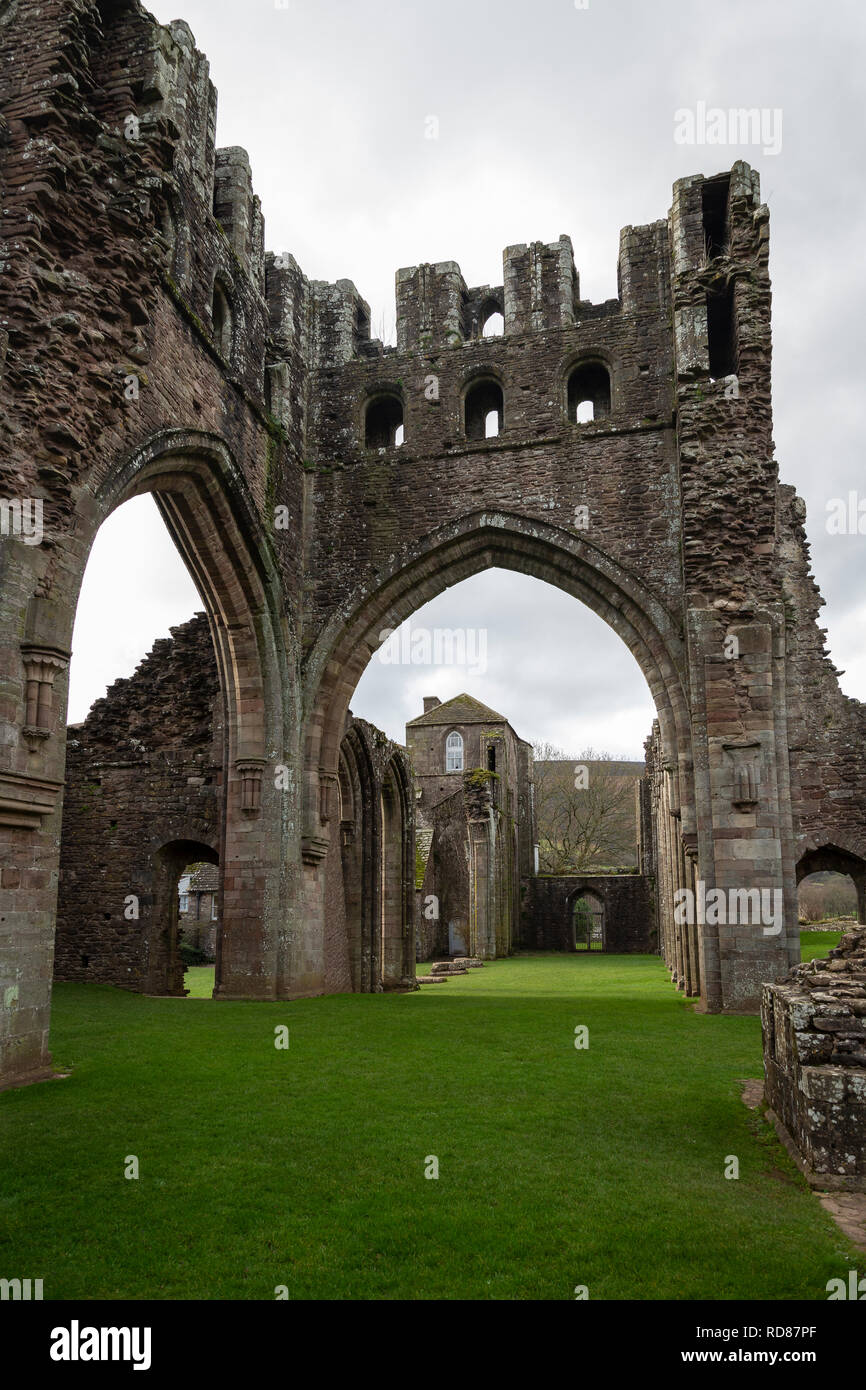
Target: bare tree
point(584, 810)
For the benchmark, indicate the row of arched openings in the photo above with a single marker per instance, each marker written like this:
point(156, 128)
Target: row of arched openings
point(587, 398)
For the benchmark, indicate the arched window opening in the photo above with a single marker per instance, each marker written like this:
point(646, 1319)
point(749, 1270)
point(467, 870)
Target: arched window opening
point(493, 326)
point(484, 410)
point(588, 393)
point(588, 921)
point(383, 423)
point(454, 753)
point(221, 321)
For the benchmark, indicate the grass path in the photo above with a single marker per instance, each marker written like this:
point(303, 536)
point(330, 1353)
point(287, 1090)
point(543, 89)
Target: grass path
point(305, 1167)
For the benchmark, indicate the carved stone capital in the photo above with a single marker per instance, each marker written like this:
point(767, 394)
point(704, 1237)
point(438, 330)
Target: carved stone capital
point(250, 772)
point(41, 665)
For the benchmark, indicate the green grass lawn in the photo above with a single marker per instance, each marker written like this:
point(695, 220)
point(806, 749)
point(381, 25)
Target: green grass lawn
point(305, 1167)
point(818, 943)
point(199, 981)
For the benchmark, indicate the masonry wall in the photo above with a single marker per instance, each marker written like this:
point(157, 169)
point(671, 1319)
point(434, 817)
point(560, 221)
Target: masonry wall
point(109, 359)
point(814, 1033)
point(144, 779)
point(629, 924)
point(670, 858)
point(443, 903)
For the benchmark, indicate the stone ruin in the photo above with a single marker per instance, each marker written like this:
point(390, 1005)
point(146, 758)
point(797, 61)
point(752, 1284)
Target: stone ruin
point(814, 1027)
point(322, 486)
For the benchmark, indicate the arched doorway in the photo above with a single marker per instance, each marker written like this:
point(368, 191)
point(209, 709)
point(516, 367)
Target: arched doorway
point(371, 880)
point(165, 964)
point(587, 921)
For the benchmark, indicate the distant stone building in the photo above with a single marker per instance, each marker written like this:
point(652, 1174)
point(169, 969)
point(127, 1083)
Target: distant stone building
point(474, 827)
point(198, 908)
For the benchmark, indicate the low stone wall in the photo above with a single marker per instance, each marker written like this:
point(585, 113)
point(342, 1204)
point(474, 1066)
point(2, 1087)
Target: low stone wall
point(629, 920)
point(814, 1030)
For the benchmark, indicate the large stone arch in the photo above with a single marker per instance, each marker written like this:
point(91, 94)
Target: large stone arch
point(697, 555)
point(484, 540)
point(568, 560)
point(204, 499)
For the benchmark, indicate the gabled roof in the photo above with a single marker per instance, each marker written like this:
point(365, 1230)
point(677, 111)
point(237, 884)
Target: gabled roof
point(462, 709)
point(206, 879)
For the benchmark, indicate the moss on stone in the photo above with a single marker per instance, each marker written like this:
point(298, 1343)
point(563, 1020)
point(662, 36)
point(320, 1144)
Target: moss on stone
point(480, 776)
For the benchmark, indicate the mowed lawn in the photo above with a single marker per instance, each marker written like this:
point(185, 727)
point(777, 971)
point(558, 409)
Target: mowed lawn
point(305, 1167)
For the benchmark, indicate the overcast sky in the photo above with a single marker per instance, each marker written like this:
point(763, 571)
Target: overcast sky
point(551, 118)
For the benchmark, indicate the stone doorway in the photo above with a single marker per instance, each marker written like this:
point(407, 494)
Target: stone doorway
point(587, 915)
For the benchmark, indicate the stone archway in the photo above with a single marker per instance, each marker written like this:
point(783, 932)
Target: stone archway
point(827, 855)
point(204, 502)
point(587, 920)
point(203, 499)
point(164, 965)
point(481, 541)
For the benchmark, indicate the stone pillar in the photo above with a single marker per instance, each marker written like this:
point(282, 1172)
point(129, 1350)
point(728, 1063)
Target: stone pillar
point(745, 826)
point(32, 755)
